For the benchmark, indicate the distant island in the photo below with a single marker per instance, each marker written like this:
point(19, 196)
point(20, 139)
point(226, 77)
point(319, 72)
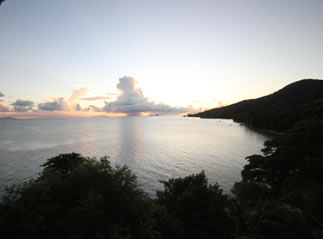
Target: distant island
point(8, 118)
point(278, 111)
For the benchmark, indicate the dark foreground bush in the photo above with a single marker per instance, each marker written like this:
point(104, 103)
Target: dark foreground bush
point(77, 197)
point(198, 209)
point(281, 192)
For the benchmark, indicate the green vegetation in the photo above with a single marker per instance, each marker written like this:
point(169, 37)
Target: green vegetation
point(302, 100)
point(198, 210)
point(78, 197)
point(281, 192)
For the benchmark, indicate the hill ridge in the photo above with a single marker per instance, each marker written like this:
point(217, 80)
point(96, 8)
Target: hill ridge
point(277, 111)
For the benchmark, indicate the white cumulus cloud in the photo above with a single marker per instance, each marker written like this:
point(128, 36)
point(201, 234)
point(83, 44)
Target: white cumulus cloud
point(133, 102)
point(62, 104)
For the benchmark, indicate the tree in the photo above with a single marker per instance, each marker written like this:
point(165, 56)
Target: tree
point(78, 197)
point(281, 191)
point(200, 210)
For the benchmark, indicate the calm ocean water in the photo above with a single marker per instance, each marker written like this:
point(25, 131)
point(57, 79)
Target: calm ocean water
point(155, 148)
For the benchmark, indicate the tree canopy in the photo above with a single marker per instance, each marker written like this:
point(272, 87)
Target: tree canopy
point(78, 197)
point(281, 191)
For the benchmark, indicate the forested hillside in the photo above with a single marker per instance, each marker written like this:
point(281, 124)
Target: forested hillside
point(278, 111)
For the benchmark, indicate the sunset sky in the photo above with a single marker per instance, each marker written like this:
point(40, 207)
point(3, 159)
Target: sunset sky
point(124, 57)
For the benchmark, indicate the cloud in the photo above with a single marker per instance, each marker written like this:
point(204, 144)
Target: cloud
point(23, 105)
point(78, 107)
point(93, 108)
point(96, 98)
point(219, 103)
point(77, 95)
point(4, 108)
point(130, 100)
point(62, 104)
point(54, 105)
point(1, 94)
point(133, 102)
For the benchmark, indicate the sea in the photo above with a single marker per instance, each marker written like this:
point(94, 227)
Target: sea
point(155, 148)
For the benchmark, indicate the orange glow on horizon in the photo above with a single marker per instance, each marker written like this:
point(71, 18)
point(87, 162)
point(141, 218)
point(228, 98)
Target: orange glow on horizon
point(59, 114)
point(73, 114)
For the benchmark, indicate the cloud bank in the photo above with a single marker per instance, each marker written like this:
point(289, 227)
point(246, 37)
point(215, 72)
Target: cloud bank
point(62, 104)
point(95, 98)
point(23, 105)
point(129, 101)
point(133, 102)
point(93, 108)
point(55, 105)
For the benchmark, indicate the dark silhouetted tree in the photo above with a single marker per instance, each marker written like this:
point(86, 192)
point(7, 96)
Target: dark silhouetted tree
point(281, 191)
point(200, 210)
point(77, 197)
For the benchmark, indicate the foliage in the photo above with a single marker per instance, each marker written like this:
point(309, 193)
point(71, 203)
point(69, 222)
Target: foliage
point(281, 192)
point(200, 209)
point(77, 197)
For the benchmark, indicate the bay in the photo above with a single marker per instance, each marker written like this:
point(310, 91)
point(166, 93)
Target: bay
point(155, 148)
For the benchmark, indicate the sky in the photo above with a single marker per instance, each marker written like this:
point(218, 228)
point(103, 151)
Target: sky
point(75, 58)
